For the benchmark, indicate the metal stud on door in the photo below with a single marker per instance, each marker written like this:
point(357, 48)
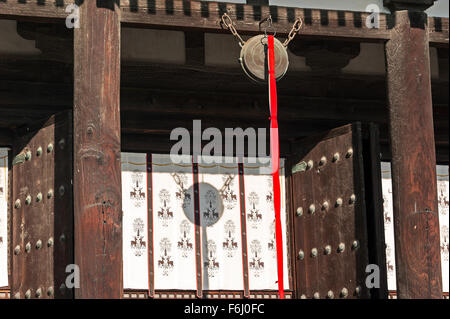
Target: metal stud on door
point(329, 215)
point(40, 213)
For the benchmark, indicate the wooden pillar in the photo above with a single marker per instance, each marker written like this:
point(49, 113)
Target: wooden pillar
point(97, 170)
point(416, 220)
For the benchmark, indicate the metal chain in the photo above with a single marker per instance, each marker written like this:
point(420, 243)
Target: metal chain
point(228, 23)
point(269, 26)
point(295, 28)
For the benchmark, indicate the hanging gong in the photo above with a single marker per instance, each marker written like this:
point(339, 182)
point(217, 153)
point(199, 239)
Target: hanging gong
point(253, 58)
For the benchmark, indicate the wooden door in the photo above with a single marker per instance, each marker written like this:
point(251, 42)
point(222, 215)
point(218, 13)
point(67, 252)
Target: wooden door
point(328, 208)
point(42, 223)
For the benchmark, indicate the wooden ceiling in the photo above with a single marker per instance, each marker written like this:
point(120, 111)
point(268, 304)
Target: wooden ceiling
point(155, 98)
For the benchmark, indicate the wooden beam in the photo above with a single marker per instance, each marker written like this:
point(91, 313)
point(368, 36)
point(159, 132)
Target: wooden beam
point(205, 16)
point(97, 171)
point(416, 5)
point(34, 10)
point(442, 156)
point(416, 217)
point(6, 137)
point(195, 47)
point(23, 101)
point(154, 79)
point(251, 106)
point(317, 23)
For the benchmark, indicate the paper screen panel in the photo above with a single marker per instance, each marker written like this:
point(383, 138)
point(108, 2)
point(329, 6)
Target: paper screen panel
point(3, 217)
point(221, 227)
point(260, 217)
point(442, 176)
point(135, 220)
point(173, 223)
point(443, 186)
point(388, 225)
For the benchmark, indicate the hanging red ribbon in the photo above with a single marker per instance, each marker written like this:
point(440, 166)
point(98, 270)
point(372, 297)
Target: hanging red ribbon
point(275, 151)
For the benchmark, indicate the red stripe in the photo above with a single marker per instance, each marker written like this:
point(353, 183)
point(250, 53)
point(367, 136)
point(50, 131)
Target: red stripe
point(275, 149)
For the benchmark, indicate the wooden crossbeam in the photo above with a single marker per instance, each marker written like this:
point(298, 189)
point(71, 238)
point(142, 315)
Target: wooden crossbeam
point(36, 9)
point(205, 16)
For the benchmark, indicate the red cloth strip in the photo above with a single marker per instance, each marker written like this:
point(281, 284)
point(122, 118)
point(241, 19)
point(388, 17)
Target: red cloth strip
point(275, 151)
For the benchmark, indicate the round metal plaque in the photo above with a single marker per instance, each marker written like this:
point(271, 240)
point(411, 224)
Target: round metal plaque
point(253, 58)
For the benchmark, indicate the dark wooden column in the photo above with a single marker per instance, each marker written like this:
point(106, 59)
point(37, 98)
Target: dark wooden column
point(413, 154)
point(97, 174)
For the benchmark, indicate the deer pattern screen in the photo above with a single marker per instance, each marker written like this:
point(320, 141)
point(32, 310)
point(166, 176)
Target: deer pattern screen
point(3, 217)
point(172, 225)
point(442, 186)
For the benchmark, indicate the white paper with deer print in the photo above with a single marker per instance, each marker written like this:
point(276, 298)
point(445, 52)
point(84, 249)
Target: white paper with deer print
point(260, 220)
point(3, 217)
point(443, 187)
point(221, 226)
point(388, 224)
point(135, 221)
point(173, 223)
